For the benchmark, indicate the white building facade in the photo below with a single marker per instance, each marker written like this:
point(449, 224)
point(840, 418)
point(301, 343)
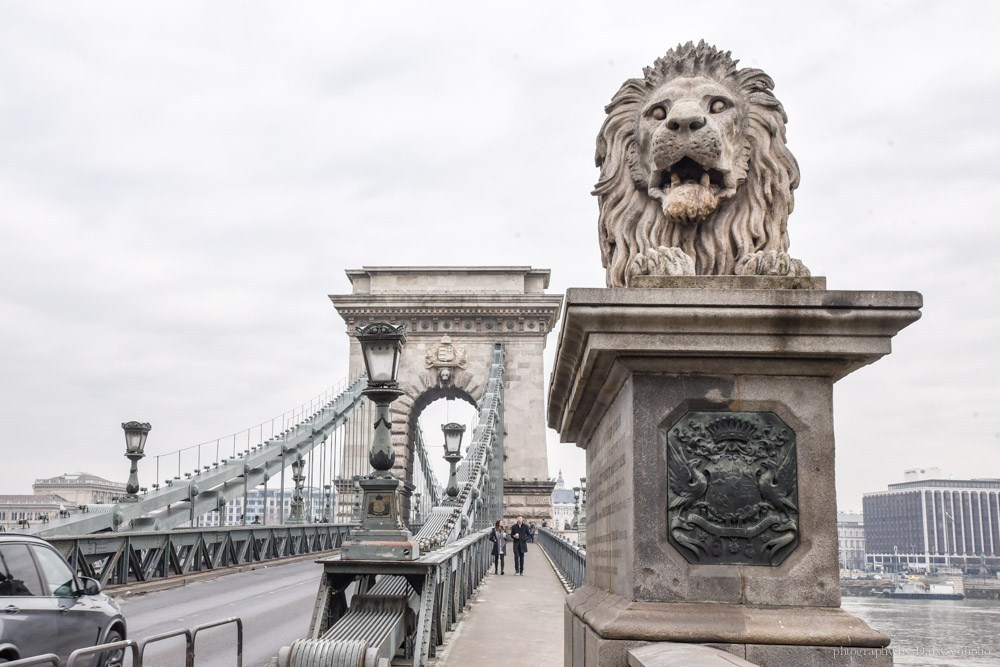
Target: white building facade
point(270, 509)
point(563, 505)
point(851, 539)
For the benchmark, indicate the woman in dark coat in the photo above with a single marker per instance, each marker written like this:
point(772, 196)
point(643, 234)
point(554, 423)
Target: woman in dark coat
point(498, 536)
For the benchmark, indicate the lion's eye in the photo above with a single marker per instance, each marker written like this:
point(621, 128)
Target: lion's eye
point(659, 113)
point(717, 105)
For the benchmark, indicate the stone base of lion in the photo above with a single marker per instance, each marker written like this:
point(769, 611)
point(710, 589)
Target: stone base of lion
point(665, 261)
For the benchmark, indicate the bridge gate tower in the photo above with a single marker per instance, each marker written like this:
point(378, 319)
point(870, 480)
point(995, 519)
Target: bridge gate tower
point(453, 317)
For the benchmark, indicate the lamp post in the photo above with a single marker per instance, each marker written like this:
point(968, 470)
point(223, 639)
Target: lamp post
point(135, 443)
point(296, 512)
point(382, 535)
point(948, 544)
point(576, 507)
point(415, 519)
point(581, 533)
point(356, 505)
point(327, 513)
point(452, 453)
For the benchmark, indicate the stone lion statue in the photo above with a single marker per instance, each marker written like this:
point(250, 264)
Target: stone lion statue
point(695, 175)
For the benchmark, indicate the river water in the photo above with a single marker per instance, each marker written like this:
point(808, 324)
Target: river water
point(935, 633)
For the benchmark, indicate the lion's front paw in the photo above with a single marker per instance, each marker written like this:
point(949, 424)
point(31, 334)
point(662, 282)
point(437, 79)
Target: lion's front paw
point(771, 263)
point(662, 261)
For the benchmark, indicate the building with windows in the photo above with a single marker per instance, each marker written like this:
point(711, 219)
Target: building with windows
point(16, 509)
point(851, 539)
point(270, 508)
point(80, 488)
point(928, 522)
point(57, 495)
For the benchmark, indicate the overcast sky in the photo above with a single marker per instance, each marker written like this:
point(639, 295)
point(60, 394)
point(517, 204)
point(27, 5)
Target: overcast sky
point(183, 184)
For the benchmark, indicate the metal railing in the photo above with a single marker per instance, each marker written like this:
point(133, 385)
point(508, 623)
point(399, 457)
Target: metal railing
point(218, 450)
point(570, 560)
point(134, 557)
point(138, 649)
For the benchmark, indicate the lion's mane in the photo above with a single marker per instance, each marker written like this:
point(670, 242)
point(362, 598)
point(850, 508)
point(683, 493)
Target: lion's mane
point(754, 219)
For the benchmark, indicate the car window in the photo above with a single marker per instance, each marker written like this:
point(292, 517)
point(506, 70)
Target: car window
point(57, 579)
point(17, 571)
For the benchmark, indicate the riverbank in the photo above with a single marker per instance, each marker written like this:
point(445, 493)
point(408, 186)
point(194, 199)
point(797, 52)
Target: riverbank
point(974, 588)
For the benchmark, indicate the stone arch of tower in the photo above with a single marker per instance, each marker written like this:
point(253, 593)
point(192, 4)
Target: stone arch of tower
point(454, 316)
point(408, 407)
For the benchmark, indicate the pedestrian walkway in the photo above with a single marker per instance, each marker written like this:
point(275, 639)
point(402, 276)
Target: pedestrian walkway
point(512, 620)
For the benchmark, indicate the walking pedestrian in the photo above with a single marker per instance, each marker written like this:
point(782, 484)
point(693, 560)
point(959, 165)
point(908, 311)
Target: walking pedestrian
point(498, 536)
point(519, 535)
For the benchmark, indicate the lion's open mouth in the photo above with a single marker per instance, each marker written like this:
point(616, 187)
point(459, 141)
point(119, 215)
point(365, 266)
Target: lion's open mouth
point(688, 172)
point(687, 191)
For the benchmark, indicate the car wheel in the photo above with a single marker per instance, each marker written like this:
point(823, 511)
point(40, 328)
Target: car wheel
point(115, 658)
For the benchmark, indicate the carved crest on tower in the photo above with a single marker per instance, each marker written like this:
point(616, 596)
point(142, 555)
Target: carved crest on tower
point(445, 355)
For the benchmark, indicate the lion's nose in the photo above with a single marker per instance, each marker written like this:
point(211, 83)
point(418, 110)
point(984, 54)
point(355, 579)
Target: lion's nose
point(686, 123)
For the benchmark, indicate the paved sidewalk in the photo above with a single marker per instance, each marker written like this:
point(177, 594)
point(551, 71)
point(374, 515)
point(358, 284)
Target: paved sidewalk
point(512, 620)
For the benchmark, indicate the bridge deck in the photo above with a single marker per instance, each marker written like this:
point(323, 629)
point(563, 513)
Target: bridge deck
point(512, 620)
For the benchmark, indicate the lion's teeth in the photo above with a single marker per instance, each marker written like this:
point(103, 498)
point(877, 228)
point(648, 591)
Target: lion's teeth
point(675, 179)
point(705, 180)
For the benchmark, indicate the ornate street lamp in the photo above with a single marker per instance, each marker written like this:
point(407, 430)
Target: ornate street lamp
point(356, 505)
point(452, 453)
point(135, 443)
point(415, 519)
point(381, 345)
point(327, 514)
point(297, 509)
point(382, 535)
point(576, 507)
point(581, 532)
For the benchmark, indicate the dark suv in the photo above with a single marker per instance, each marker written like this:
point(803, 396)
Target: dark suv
point(46, 608)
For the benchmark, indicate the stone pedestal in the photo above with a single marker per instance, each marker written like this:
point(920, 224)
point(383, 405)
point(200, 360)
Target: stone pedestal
point(707, 419)
point(382, 535)
point(531, 499)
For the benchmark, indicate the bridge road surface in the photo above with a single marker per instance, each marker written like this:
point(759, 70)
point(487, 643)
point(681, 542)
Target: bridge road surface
point(275, 603)
point(512, 620)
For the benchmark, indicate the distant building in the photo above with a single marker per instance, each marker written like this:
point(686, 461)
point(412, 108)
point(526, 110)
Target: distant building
point(851, 539)
point(928, 522)
point(80, 488)
point(62, 494)
point(563, 504)
point(15, 509)
point(269, 509)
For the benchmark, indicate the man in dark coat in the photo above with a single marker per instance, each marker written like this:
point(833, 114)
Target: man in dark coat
point(519, 540)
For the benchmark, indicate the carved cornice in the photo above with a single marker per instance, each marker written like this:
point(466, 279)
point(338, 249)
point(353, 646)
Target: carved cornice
point(458, 314)
point(608, 333)
point(525, 487)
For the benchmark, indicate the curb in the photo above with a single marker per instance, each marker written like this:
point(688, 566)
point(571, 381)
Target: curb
point(124, 591)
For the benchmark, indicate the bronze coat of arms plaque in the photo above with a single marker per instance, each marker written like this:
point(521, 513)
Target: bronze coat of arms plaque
point(378, 506)
point(732, 491)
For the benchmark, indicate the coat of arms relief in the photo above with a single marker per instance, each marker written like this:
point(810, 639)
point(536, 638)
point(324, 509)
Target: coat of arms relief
point(445, 357)
point(732, 492)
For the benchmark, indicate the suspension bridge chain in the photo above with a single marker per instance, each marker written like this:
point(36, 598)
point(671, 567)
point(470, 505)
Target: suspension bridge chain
point(339, 428)
point(480, 476)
